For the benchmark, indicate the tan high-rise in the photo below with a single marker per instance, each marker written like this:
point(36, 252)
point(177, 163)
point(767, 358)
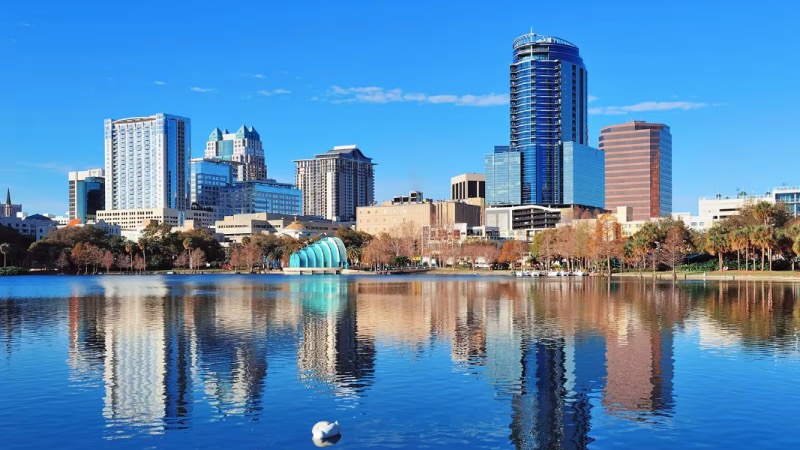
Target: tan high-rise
point(638, 168)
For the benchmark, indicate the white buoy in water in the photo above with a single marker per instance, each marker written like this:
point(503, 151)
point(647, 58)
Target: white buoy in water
point(325, 430)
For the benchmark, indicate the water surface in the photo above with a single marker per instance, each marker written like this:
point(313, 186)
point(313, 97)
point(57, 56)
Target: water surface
point(216, 361)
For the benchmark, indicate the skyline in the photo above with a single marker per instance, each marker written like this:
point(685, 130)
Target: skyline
point(439, 99)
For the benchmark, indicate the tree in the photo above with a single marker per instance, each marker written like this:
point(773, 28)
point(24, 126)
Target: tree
point(512, 252)
point(62, 262)
point(129, 246)
point(108, 260)
point(607, 239)
point(4, 249)
point(199, 257)
point(717, 242)
point(187, 245)
point(676, 245)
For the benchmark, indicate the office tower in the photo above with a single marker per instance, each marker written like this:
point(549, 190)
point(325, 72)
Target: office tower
point(638, 168)
point(243, 147)
point(336, 182)
point(548, 109)
point(207, 178)
point(9, 209)
point(87, 194)
point(147, 162)
point(503, 177)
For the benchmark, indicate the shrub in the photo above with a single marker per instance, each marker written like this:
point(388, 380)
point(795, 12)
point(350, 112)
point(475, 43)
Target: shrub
point(13, 270)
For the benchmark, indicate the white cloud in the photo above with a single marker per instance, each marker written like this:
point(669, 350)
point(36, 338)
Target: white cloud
point(159, 83)
point(646, 107)
point(374, 94)
point(259, 75)
point(592, 98)
point(274, 92)
point(202, 89)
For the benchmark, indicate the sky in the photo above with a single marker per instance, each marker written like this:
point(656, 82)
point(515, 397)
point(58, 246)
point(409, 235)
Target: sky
point(420, 86)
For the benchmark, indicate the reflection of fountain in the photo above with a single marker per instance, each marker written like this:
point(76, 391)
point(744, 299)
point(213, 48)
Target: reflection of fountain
point(331, 349)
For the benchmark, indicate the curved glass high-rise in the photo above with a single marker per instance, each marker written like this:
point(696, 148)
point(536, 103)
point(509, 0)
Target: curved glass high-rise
point(548, 108)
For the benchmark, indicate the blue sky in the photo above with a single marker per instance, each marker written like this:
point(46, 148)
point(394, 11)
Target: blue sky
point(420, 86)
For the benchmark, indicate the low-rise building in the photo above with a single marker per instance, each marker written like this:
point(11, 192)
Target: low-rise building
point(236, 227)
point(421, 213)
point(36, 226)
point(522, 222)
point(138, 219)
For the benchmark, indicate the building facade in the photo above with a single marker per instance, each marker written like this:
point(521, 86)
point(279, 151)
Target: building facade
point(391, 215)
point(87, 194)
point(207, 179)
point(147, 162)
point(470, 187)
point(503, 177)
point(239, 226)
point(548, 108)
point(335, 183)
point(138, 219)
point(267, 196)
point(583, 175)
point(638, 168)
point(522, 222)
point(243, 147)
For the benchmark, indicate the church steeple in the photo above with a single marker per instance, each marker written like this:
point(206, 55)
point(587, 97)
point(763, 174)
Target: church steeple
point(8, 197)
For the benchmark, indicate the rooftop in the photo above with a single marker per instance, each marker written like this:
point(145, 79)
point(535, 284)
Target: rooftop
point(533, 38)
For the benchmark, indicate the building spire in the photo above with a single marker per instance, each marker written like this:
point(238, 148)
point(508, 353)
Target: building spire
point(8, 197)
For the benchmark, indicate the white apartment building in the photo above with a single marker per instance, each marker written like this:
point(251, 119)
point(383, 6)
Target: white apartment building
point(147, 162)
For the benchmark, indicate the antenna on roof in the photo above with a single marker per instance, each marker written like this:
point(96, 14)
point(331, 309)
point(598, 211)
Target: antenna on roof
point(531, 30)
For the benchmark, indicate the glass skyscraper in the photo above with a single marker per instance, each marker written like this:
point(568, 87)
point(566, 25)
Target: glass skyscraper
point(147, 162)
point(503, 177)
point(548, 108)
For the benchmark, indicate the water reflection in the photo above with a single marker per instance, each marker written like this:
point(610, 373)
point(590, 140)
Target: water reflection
point(560, 353)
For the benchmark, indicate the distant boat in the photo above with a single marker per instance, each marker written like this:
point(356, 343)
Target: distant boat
point(553, 273)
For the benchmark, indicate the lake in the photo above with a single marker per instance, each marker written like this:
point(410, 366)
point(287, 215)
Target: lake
point(253, 361)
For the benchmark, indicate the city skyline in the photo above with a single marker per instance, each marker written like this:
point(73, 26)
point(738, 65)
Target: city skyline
point(408, 110)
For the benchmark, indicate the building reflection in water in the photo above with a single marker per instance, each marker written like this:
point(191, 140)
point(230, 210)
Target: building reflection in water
point(558, 352)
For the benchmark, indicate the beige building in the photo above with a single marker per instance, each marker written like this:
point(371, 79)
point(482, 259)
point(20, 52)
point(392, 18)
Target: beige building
point(238, 226)
point(378, 219)
point(470, 188)
point(138, 219)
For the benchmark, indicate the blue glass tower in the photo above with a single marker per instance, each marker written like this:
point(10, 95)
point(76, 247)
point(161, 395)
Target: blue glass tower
point(548, 108)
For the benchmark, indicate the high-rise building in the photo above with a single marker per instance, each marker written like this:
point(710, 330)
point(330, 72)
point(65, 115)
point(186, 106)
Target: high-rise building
point(548, 109)
point(638, 168)
point(87, 194)
point(243, 147)
point(336, 182)
point(147, 162)
point(503, 177)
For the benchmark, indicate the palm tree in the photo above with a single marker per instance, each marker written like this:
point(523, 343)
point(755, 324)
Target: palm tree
point(739, 241)
point(187, 244)
point(4, 248)
point(717, 242)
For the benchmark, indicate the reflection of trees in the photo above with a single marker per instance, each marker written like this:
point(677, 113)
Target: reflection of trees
point(762, 314)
